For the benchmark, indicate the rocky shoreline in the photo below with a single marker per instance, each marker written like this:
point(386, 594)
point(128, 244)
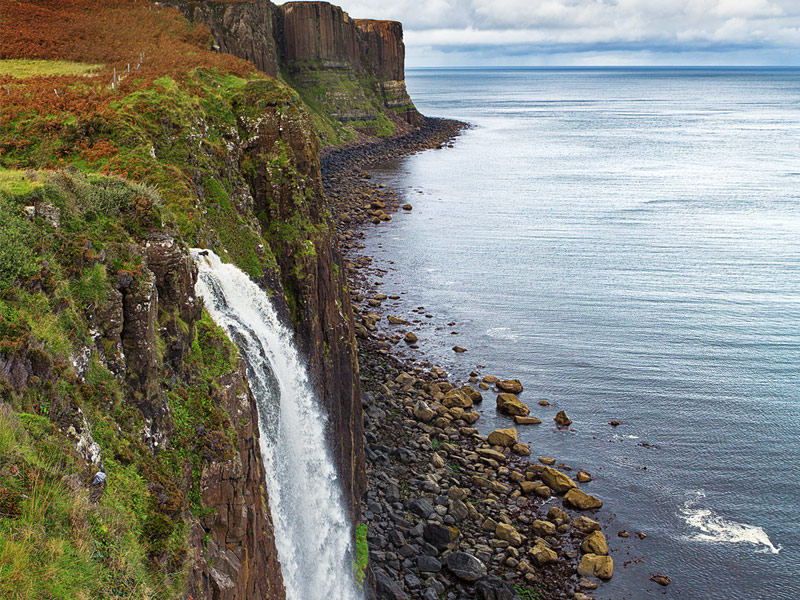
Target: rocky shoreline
point(450, 513)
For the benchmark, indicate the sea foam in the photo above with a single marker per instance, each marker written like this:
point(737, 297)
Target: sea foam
point(714, 528)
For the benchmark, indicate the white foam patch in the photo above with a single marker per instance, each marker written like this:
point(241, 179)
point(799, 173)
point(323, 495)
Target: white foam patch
point(713, 528)
point(501, 333)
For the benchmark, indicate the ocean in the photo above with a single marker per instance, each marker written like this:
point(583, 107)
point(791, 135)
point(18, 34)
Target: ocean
point(626, 242)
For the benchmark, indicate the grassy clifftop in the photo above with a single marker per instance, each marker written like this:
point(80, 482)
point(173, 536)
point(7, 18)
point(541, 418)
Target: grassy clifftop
point(122, 133)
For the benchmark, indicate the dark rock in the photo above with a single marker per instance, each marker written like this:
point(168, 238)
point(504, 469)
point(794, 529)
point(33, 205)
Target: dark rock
point(494, 588)
point(422, 508)
point(387, 589)
point(465, 566)
point(440, 536)
point(428, 564)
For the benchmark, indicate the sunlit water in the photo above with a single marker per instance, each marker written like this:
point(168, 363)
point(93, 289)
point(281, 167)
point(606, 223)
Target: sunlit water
point(312, 532)
point(627, 243)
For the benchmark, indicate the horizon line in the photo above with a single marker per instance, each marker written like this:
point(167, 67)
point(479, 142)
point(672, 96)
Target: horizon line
point(550, 67)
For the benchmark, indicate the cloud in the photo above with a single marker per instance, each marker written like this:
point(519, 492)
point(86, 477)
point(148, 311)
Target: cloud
point(753, 31)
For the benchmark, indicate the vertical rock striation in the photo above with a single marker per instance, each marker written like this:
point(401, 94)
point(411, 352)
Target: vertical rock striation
point(348, 69)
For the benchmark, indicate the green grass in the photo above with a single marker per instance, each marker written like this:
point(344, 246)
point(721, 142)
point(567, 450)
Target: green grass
point(362, 552)
point(17, 183)
point(527, 593)
point(20, 68)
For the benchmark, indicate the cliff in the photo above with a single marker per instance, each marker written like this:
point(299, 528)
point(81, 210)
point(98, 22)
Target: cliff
point(105, 354)
point(350, 73)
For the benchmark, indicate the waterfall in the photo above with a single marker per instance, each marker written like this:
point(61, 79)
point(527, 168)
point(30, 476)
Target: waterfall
point(312, 529)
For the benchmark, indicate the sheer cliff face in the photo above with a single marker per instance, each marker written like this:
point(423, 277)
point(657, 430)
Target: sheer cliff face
point(242, 29)
point(348, 69)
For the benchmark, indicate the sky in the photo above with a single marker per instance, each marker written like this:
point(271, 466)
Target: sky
point(591, 32)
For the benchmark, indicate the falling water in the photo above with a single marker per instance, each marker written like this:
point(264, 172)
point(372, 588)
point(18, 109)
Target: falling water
point(312, 531)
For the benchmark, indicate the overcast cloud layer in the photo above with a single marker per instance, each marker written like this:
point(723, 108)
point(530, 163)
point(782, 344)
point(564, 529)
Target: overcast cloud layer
point(592, 32)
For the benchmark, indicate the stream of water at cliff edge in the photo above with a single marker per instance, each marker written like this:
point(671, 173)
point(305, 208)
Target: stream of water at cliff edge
point(312, 531)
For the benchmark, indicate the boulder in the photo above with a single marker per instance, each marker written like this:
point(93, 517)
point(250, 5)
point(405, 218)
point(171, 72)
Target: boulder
point(440, 536)
point(387, 589)
point(508, 533)
point(459, 349)
point(503, 437)
point(428, 564)
point(557, 481)
point(465, 566)
point(471, 393)
point(511, 405)
point(510, 385)
point(410, 337)
point(423, 412)
point(521, 449)
point(421, 507)
point(493, 454)
point(586, 525)
point(581, 500)
point(601, 567)
point(543, 528)
point(583, 477)
point(490, 379)
point(562, 420)
point(519, 420)
point(396, 320)
point(457, 398)
point(595, 543)
point(494, 588)
point(543, 555)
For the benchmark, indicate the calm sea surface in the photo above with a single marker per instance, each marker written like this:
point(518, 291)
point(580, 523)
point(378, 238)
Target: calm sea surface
point(627, 243)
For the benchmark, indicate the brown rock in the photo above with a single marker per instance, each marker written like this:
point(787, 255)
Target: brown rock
point(562, 419)
point(581, 500)
point(511, 405)
point(489, 453)
point(396, 320)
point(472, 394)
point(583, 477)
point(519, 420)
point(585, 524)
point(543, 555)
point(661, 579)
point(456, 397)
point(507, 532)
point(459, 349)
point(510, 385)
point(521, 449)
point(597, 566)
point(410, 337)
point(595, 543)
point(503, 437)
point(557, 481)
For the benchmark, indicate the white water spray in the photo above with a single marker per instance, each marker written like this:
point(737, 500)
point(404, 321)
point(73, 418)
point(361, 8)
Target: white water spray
point(312, 531)
point(714, 528)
